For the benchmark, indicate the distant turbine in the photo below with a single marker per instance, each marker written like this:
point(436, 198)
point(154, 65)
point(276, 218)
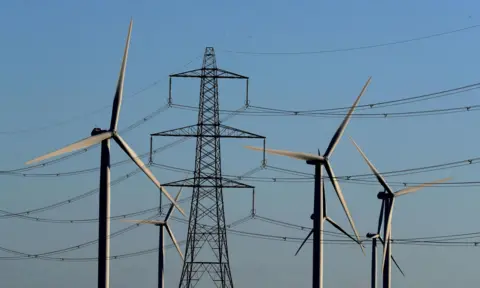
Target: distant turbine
point(163, 225)
point(103, 136)
point(388, 197)
point(329, 220)
point(374, 237)
point(319, 202)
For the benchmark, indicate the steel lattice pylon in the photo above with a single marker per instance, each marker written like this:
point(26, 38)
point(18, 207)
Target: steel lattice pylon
point(207, 212)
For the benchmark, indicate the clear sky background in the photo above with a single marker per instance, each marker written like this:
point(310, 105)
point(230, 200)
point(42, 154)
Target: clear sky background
point(59, 62)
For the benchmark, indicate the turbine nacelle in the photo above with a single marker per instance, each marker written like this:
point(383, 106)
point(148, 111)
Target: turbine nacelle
point(384, 195)
point(316, 162)
point(97, 131)
point(373, 235)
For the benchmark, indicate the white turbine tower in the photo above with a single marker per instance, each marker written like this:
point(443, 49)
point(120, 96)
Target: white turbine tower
point(388, 198)
point(162, 225)
point(103, 136)
point(319, 202)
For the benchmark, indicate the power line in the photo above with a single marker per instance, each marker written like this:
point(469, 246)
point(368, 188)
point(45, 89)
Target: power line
point(70, 200)
point(280, 112)
point(284, 224)
point(430, 36)
point(118, 180)
point(22, 215)
point(336, 111)
point(416, 113)
point(395, 102)
point(129, 128)
point(307, 177)
point(83, 245)
point(82, 116)
point(79, 152)
point(45, 256)
point(90, 220)
point(354, 178)
point(406, 241)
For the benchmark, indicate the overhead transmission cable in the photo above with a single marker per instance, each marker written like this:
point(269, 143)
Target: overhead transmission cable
point(336, 111)
point(395, 102)
point(24, 216)
point(118, 180)
point(252, 53)
point(79, 152)
point(129, 128)
point(306, 177)
point(112, 235)
point(280, 112)
point(84, 115)
point(358, 178)
point(422, 241)
point(46, 255)
point(417, 113)
point(356, 48)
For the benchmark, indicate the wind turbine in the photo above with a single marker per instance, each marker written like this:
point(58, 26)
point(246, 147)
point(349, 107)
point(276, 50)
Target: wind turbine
point(319, 202)
point(388, 197)
point(374, 237)
point(328, 219)
point(163, 225)
point(103, 136)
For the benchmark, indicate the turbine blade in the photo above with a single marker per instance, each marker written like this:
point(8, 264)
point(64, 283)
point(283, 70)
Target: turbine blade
point(338, 134)
point(324, 202)
point(418, 187)
point(117, 101)
point(341, 198)
point(324, 198)
point(296, 155)
point(398, 267)
point(174, 240)
point(374, 170)
point(388, 232)
point(145, 169)
point(304, 241)
point(380, 218)
point(84, 143)
point(144, 221)
point(170, 210)
point(344, 232)
point(393, 259)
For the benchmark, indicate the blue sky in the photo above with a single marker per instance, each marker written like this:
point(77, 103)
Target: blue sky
point(60, 60)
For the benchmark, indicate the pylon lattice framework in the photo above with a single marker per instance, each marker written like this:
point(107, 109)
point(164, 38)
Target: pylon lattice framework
point(207, 214)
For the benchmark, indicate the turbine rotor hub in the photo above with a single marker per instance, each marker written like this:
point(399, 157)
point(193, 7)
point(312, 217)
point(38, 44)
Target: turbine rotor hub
point(371, 235)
